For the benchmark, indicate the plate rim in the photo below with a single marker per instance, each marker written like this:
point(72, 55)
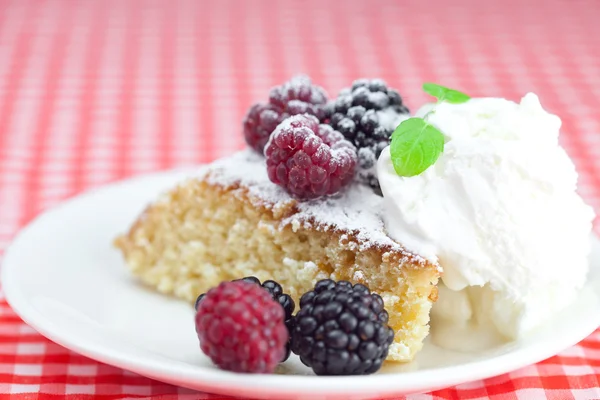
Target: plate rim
point(213, 380)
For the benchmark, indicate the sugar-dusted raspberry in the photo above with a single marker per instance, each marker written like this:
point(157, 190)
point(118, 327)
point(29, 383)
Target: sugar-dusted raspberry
point(299, 89)
point(297, 96)
point(259, 123)
point(309, 160)
point(241, 328)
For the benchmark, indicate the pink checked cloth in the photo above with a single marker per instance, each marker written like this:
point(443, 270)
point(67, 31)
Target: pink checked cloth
point(96, 91)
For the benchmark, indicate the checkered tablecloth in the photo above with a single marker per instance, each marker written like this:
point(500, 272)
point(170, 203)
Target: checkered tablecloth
point(96, 91)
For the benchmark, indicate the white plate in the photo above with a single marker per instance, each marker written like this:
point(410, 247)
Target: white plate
point(62, 276)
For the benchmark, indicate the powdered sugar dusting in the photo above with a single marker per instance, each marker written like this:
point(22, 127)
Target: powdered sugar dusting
point(389, 119)
point(367, 162)
point(250, 169)
point(356, 210)
point(299, 87)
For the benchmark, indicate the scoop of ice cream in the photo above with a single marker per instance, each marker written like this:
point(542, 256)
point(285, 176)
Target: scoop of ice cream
point(498, 209)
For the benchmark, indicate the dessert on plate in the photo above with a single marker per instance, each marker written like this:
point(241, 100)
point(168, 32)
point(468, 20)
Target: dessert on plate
point(253, 215)
point(499, 212)
point(477, 192)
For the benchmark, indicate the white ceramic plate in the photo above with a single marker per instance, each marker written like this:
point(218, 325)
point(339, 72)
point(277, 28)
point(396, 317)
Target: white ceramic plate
point(62, 276)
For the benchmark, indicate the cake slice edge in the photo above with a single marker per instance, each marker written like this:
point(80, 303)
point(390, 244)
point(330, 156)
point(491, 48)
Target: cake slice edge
point(215, 228)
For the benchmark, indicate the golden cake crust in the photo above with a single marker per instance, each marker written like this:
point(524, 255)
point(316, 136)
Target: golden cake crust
point(222, 226)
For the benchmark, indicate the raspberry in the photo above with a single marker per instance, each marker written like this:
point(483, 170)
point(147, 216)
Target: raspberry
point(297, 96)
point(309, 160)
point(299, 88)
point(366, 114)
point(241, 328)
point(277, 294)
point(341, 329)
point(260, 122)
point(284, 299)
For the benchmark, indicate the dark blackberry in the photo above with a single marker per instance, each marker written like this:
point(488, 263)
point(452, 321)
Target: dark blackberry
point(341, 329)
point(367, 114)
point(297, 96)
point(198, 300)
point(276, 292)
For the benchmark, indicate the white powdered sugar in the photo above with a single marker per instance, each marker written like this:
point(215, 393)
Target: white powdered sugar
point(367, 160)
point(297, 88)
point(248, 168)
point(389, 119)
point(357, 210)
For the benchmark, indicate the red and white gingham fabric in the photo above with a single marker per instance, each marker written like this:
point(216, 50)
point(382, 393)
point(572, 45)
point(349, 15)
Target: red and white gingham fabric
point(95, 91)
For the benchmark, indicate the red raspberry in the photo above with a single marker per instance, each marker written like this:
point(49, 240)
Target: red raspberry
point(297, 96)
point(309, 160)
point(241, 328)
point(260, 122)
point(299, 88)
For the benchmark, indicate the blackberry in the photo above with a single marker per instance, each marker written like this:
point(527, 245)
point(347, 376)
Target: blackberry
point(367, 114)
point(297, 96)
point(341, 329)
point(276, 292)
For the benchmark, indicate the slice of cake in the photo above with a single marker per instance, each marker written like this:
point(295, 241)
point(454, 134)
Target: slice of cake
point(232, 221)
point(302, 204)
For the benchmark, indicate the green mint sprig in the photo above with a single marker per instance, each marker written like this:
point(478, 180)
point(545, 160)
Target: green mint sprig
point(416, 145)
point(442, 93)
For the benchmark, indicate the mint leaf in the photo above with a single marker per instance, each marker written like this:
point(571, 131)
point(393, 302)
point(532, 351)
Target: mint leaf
point(415, 146)
point(435, 90)
point(445, 94)
point(456, 97)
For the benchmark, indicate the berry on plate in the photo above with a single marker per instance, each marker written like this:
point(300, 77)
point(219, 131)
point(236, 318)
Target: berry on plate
point(367, 114)
point(297, 96)
point(309, 160)
point(277, 294)
point(341, 329)
point(284, 299)
point(241, 328)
